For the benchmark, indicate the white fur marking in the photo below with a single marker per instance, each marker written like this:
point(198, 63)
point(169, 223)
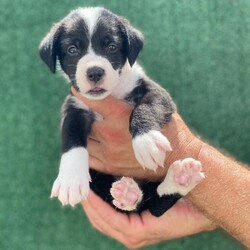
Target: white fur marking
point(128, 80)
point(90, 16)
point(150, 149)
point(110, 80)
point(182, 177)
point(72, 183)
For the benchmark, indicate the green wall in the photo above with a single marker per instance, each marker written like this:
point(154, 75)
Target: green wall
point(198, 49)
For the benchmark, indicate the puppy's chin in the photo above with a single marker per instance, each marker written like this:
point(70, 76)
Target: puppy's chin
point(96, 96)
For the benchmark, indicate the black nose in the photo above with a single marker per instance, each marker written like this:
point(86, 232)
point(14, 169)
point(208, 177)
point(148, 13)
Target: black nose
point(95, 74)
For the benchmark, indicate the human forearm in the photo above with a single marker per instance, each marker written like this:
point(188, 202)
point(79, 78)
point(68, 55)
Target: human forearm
point(224, 195)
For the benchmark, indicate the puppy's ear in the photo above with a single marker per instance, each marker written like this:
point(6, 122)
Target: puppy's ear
point(134, 41)
point(47, 48)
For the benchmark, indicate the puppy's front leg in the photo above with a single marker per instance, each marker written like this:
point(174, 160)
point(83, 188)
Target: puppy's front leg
point(72, 183)
point(149, 115)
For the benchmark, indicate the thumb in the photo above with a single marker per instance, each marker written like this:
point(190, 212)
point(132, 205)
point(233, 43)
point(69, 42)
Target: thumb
point(104, 107)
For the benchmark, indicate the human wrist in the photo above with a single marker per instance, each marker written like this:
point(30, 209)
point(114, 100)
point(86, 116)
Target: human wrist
point(184, 143)
point(226, 185)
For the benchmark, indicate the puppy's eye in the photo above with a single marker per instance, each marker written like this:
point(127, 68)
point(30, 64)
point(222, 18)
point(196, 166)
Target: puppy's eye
point(72, 50)
point(112, 47)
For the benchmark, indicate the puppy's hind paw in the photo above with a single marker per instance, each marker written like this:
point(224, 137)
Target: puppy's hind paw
point(126, 194)
point(182, 177)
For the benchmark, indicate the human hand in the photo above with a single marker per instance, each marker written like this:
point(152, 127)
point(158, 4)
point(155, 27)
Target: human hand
point(111, 151)
point(110, 143)
point(136, 231)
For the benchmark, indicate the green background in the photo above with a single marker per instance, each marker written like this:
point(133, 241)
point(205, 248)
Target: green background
point(198, 49)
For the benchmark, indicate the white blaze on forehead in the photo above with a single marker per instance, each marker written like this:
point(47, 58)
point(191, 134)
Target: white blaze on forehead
point(90, 16)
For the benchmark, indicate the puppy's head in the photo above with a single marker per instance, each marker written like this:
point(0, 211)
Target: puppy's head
point(92, 45)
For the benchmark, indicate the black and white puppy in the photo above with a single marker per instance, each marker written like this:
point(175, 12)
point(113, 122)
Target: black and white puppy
point(97, 51)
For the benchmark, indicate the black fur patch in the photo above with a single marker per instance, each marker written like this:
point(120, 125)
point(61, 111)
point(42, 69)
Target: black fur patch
point(137, 93)
point(78, 37)
point(76, 126)
point(110, 31)
point(152, 111)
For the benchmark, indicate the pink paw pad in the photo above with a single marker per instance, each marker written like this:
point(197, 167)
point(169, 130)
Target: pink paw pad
point(187, 172)
point(126, 194)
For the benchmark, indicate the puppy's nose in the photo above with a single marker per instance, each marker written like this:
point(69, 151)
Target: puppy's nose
point(95, 74)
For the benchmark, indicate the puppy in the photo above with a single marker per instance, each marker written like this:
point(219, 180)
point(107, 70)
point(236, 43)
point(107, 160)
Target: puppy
point(97, 52)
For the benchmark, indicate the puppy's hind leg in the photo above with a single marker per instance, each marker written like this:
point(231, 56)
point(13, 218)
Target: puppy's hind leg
point(181, 178)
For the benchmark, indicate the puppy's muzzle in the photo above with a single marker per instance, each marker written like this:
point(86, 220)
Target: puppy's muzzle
point(95, 74)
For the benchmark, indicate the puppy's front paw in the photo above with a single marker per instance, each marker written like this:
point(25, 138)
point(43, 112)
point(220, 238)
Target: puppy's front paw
point(150, 149)
point(72, 183)
point(71, 191)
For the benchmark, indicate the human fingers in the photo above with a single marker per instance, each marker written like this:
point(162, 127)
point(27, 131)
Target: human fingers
point(98, 223)
point(98, 162)
point(181, 220)
point(102, 223)
point(112, 217)
point(96, 157)
point(104, 107)
point(130, 226)
point(137, 231)
point(96, 131)
point(94, 147)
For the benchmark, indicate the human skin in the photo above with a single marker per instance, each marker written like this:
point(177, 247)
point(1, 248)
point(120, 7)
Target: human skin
point(224, 195)
point(135, 231)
